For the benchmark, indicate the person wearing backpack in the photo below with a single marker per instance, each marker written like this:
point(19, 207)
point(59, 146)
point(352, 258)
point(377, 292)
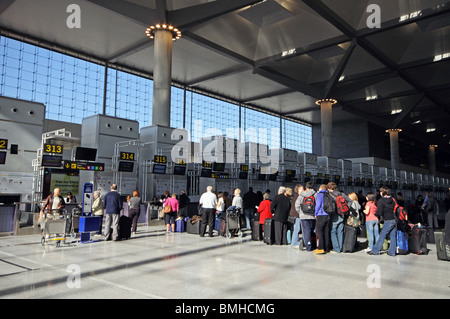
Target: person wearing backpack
point(343, 202)
point(323, 204)
point(305, 205)
point(385, 212)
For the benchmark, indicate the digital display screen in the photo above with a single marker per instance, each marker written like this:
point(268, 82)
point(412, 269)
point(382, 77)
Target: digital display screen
point(51, 161)
point(179, 170)
point(262, 177)
point(85, 154)
point(126, 167)
point(218, 167)
point(206, 173)
point(2, 158)
point(243, 175)
point(159, 169)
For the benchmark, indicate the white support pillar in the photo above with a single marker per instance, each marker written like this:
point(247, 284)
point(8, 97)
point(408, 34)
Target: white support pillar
point(326, 125)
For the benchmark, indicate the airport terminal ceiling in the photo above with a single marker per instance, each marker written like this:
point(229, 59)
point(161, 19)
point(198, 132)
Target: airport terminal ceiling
point(386, 62)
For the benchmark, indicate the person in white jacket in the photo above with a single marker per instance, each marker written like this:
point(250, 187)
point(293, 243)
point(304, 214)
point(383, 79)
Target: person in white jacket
point(97, 209)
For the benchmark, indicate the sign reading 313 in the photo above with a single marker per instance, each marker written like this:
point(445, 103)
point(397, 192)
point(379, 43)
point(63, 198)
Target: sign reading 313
point(52, 148)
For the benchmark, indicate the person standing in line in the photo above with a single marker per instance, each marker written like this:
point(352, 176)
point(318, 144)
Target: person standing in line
point(295, 216)
point(97, 209)
point(237, 199)
point(227, 200)
point(431, 211)
point(322, 222)
point(208, 201)
point(308, 221)
point(264, 210)
point(183, 201)
point(385, 211)
point(249, 201)
point(170, 217)
point(336, 220)
point(113, 205)
point(134, 210)
point(371, 221)
point(280, 208)
point(220, 207)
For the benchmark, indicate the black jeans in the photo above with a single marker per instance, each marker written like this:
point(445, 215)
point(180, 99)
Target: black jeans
point(323, 232)
point(280, 232)
point(134, 213)
point(208, 219)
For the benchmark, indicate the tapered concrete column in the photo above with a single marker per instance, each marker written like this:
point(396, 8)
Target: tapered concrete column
point(162, 78)
point(432, 159)
point(326, 125)
point(395, 150)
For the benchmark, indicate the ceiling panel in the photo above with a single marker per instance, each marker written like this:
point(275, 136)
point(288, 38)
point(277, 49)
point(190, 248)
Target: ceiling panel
point(279, 55)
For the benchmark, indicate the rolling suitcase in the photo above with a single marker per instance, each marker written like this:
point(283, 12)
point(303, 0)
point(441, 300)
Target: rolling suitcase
point(430, 235)
point(180, 225)
point(268, 232)
point(440, 245)
point(193, 228)
point(125, 227)
point(256, 230)
point(349, 243)
point(417, 241)
point(402, 243)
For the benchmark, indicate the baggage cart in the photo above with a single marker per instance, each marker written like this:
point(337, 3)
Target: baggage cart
point(233, 222)
point(54, 227)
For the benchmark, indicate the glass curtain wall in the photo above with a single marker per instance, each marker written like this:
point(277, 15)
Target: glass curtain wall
point(72, 89)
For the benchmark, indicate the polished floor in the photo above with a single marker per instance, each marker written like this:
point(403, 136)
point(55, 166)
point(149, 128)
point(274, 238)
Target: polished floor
point(156, 264)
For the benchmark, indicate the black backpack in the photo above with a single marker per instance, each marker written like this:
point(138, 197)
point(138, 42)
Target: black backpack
point(309, 205)
point(329, 204)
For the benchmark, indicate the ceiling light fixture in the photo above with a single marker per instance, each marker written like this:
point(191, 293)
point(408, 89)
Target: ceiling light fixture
point(333, 101)
point(150, 32)
point(396, 111)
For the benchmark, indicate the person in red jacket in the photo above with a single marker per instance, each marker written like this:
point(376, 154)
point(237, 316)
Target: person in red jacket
point(264, 210)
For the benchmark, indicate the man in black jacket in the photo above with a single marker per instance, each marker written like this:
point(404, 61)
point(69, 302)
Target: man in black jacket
point(280, 207)
point(183, 202)
point(385, 212)
point(250, 202)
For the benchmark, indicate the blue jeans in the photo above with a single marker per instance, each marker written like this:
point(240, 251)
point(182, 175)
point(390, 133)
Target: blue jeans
point(373, 232)
point(389, 229)
point(308, 226)
point(249, 214)
point(337, 232)
point(295, 232)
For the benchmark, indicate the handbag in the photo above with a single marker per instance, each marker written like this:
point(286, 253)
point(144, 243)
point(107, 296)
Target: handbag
point(167, 208)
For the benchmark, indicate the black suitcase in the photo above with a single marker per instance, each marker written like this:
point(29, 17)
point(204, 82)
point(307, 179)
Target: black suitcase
point(417, 241)
point(430, 235)
point(124, 227)
point(256, 230)
point(269, 238)
point(349, 244)
point(193, 228)
point(440, 245)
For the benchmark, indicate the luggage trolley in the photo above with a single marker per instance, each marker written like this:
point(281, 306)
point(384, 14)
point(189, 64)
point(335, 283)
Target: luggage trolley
point(54, 229)
point(233, 221)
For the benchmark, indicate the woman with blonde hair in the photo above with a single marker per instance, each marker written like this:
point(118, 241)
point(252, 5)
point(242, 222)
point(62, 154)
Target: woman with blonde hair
point(134, 210)
point(97, 209)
